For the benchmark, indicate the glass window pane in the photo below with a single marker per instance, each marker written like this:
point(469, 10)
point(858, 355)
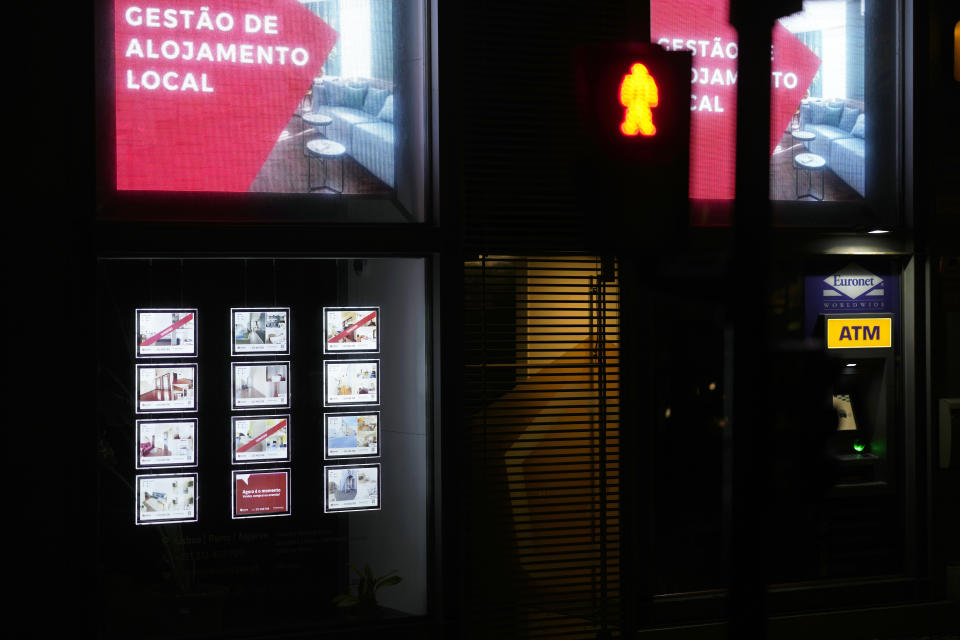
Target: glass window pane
point(299, 453)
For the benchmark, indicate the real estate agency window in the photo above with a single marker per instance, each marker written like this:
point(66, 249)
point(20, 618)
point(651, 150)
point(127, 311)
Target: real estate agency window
point(262, 429)
point(315, 108)
point(834, 137)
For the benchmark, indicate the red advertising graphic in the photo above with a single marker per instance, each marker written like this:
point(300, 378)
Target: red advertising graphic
point(204, 90)
point(263, 436)
point(176, 325)
point(349, 330)
point(260, 493)
point(703, 28)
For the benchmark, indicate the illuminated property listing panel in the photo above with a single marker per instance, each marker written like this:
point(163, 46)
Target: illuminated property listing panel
point(351, 435)
point(352, 488)
point(261, 493)
point(259, 439)
point(166, 498)
point(260, 331)
point(260, 384)
point(168, 388)
point(351, 330)
point(351, 382)
point(166, 443)
point(166, 333)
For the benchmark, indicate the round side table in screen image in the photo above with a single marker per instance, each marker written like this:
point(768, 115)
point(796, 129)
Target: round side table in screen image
point(810, 164)
point(324, 151)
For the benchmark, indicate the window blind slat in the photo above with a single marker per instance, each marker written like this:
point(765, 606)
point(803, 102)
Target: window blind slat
point(542, 407)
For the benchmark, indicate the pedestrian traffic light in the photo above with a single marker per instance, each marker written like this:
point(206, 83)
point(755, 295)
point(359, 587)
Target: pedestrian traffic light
point(634, 101)
point(639, 94)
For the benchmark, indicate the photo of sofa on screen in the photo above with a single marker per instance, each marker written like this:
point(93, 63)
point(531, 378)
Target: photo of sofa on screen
point(350, 103)
point(828, 130)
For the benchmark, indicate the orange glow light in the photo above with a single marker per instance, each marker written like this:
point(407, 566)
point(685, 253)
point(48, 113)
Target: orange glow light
point(956, 51)
point(638, 93)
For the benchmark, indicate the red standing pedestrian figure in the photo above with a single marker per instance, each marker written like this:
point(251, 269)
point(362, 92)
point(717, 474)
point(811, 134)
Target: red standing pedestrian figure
point(638, 93)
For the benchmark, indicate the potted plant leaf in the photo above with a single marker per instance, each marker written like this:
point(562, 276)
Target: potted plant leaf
point(362, 603)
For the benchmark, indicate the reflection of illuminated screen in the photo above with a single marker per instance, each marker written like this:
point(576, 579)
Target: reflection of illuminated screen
point(261, 494)
point(277, 96)
point(817, 100)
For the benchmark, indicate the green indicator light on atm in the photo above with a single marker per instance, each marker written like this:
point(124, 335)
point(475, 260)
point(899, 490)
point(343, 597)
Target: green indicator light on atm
point(858, 446)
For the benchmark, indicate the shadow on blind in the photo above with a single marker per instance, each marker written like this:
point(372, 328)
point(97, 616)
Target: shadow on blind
point(542, 405)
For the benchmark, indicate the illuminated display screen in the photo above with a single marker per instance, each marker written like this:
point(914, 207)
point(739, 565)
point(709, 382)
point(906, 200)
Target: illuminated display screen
point(351, 435)
point(166, 389)
point(818, 136)
point(261, 384)
point(166, 332)
point(166, 443)
point(260, 331)
point(261, 439)
point(269, 96)
point(261, 493)
point(348, 382)
point(166, 498)
point(354, 330)
point(352, 488)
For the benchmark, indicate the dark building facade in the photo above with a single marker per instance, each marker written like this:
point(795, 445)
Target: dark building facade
point(388, 341)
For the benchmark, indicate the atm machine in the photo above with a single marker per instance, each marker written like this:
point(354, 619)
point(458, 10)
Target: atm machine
point(861, 506)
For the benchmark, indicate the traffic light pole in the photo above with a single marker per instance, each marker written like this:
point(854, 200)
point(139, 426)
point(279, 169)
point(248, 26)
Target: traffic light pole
point(746, 478)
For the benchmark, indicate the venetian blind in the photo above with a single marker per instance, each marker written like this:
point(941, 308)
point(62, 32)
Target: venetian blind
point(541, 385)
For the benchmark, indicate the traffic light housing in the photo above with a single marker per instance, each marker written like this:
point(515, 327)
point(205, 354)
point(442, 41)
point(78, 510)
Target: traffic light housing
point(634, 105)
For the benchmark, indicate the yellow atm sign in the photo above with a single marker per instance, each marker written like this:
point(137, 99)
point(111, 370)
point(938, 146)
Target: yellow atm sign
point(859, 333)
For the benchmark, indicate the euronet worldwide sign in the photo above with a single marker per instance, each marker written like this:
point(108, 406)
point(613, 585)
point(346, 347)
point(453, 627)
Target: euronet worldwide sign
point(852, 289)
point(851, 283)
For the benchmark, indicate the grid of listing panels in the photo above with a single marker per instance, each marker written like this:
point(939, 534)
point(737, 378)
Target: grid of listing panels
point(260, 447)
point(352, 473)
point(260, 408)
point(166, 384)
